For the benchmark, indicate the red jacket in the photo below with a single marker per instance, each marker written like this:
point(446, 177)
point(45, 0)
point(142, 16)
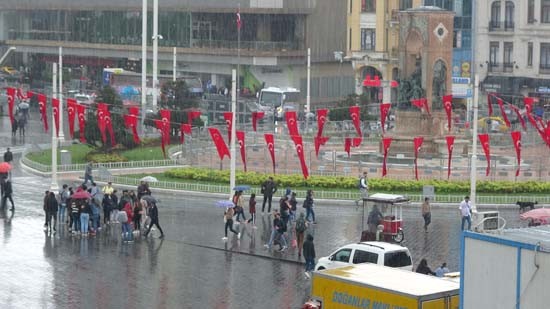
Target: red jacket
point(129, 212)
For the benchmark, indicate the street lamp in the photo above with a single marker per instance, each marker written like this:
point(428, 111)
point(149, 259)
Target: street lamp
point(156, 37)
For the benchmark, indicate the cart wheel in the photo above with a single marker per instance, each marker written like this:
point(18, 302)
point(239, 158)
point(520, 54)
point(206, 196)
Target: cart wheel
point(399, 237)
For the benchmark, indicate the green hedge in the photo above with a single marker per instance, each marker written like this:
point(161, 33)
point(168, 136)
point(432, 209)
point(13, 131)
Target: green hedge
point(375, 184)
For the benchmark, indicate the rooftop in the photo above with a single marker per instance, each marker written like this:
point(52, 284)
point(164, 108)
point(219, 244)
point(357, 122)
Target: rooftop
point(539, 235)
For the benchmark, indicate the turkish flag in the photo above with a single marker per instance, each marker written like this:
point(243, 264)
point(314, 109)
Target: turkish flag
point(133, 111)
point(165, 117)
point(386, 142)
point(55, 112)
point(384, 110)
point(270, 147)
point(300, 151)
point(30, 94)
point(417, 144)
point(228, 116)
point(71, 111)
point(484, 140)
point(242, 146)
point(394, 84)
point(351, 142)
point(109, 127)
point(219, 142)
point(321, 120)
point(130, 121)
point(42, 101)
point(191, 115)
point(516, 138)
point(11, 102)
point(185, 128)
point(490, 104)
point(528, 102)
point(450, 146)
point(448, 105)
point(160, 126)
point(292, 123)
point(354, 112)
point(546, 135)
point(81, 112)
point(319, 141)
point(421, 103)
point(102, 109)
point(501, 106)
point(367, 82)
point(255, 117)
point(20, 95)
point(520, 118)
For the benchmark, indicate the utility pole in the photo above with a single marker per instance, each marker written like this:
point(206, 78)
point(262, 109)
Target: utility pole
point(156, 38)
point(54, 187)
point(473, 171)
point(233, 129)
point(143, 61)
point(60, 94)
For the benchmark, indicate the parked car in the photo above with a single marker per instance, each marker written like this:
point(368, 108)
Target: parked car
point(84, 99)
point(376, 252)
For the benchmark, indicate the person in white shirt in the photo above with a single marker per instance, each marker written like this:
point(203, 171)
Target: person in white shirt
point(441, 270)
point(465, 211)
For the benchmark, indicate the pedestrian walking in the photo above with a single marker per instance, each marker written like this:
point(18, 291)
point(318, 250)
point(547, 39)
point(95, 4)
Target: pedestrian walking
point(94, 210)
point(301, 226)
point(137, 215)
point(426, 213)
point(293, 206)
point(466, 212)
point(51, 212)
point(75, 215)
point(63, 198)
point(252, 209)
point(308, 205)
point(276, 232)
point(8, 156)
point(284, 209)
point(424, 269)
point(107, 204)
point(229, 213)
point(441, 270)
point(309, 254)
point(153, 213)
point(85, 212)
point(363, 187)
point(269, 187)
point(127, 232)
point(238, 202)
point(44, 207)
point(7, 191)
point(88, 174)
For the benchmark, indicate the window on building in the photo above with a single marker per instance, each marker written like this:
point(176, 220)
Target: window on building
point(444, 4)
point(368, 39)
point(350, 6)
point(508, 60)
point(509, 15)
point(531, 11)
point(530, 54)
point(405, 4)
point(495, 14)
point(545, 11)
point(493, 53)
point(368, 6)
point(349, 38)
point(545, 56)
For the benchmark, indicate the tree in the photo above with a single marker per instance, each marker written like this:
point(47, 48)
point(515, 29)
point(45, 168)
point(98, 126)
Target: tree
point(341, 111)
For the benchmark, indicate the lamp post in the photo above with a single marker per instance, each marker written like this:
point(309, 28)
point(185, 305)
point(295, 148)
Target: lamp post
point(233, 128)
point(156, 38)
point(54, 186)
point(143, 60)
point(473, 171)
point(60, 94)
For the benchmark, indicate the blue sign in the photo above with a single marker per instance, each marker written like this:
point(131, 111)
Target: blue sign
point(106, 78)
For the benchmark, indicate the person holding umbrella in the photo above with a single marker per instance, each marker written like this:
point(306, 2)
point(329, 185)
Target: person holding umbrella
point(88, 174)
point(143, 189)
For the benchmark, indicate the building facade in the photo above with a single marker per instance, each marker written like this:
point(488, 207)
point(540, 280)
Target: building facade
point(512, 48)
point(275, 36)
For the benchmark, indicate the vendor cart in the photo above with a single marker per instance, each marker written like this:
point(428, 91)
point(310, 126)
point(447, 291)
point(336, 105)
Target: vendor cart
point(384, 217)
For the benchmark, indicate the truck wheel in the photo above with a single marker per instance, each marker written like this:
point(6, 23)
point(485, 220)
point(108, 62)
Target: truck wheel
point(399, 237)
point(320, 268)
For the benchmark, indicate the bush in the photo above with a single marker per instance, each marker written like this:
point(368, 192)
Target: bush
point(105, 157)
point(375, 184)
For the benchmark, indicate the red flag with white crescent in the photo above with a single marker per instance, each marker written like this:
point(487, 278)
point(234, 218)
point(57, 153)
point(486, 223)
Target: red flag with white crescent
point(102, 109)
point(520, 118)
point(300, 152)
point(133, 111)
point(81, 114)
point(239, 20)
point(130, 121)
point(528, 102)
point(166, 118)
point(484, 140)
point(55, 112)
point(448, 105)
point(228, 116)
point(321, 120)
point(185, 128)
point(191, 115)
point(160, 126)
point(30, 94)
point(109, 127)
point(71, 111)
point(319, 141)
point(386, 142)
point(502, 112)
point(417, 144)
point(270, 147)
point(384, 110)
point(354, 112)
point(490, 103)
point(347, 146)
point(516, 138)
point(242, 146)
point(11, 102)
point(450, 146)
point(255, 117)
point(42, 101)
point(219, 142)
point(20, 94)
point(422, 104)
point(292, 123)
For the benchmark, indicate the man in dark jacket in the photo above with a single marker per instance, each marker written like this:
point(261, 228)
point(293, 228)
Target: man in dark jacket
point(7, 191)
point(154, 215)
point(51, 211)
point(309, 254)
point(268, 189)
point(143, 189)
point(8, 156)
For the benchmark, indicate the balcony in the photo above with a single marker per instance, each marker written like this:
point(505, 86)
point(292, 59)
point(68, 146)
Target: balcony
point(246, 45)
point(544, 68)
point(506, 67)
point(506, 26)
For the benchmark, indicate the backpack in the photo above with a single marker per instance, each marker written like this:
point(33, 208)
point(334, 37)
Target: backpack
point(359, 184)
point(122, 217)
point(282, 226)
point(300, 226)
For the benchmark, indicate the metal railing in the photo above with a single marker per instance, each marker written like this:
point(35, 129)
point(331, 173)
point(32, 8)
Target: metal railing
point(501, 25)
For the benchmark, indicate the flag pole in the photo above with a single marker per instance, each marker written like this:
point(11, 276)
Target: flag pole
point(233, 130)
point(54, 187)
point(143, 62)
point(473, 171)
point(239, 23)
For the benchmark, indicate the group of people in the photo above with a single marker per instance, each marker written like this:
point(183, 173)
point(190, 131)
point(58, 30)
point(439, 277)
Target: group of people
point(423, 268)
point(81, 210)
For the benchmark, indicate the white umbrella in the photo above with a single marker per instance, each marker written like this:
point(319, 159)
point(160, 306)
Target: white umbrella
point(149, 179)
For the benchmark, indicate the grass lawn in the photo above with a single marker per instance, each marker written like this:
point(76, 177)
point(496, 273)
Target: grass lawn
point(143, 153)
point(78, 154)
